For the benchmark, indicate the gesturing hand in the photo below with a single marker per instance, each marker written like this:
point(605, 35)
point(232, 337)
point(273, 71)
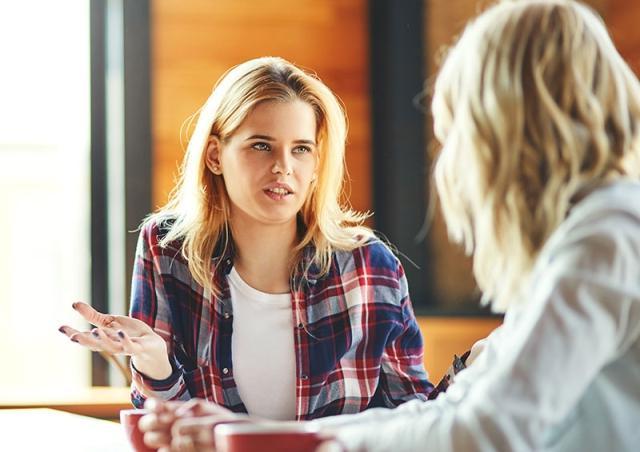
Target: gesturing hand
point(122, 335)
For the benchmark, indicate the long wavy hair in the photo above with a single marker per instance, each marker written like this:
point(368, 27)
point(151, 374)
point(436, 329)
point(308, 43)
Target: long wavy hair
point(199, 205)
point(532, 106)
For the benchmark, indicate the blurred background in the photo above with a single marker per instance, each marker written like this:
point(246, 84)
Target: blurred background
point(93, 95)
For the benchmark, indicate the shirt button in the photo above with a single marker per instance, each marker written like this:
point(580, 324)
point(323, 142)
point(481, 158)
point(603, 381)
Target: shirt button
point(300, 326)
point(229, 261)
point(225, 370)
point(305, 377)
point(226, 315)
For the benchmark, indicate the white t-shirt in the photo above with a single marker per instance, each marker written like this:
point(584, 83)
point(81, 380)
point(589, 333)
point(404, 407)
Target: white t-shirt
point(262, 350)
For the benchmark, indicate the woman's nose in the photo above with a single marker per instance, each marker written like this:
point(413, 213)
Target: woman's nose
point(281, 165)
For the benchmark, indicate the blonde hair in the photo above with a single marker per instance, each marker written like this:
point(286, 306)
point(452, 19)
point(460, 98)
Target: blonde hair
point(199, 204)
point(532, 105)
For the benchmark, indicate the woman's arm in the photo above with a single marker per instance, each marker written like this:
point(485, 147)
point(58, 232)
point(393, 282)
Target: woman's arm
point(402, 373)
point(149, 304)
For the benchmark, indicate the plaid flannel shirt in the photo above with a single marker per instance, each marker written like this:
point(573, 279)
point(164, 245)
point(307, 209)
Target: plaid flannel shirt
point(357, 342)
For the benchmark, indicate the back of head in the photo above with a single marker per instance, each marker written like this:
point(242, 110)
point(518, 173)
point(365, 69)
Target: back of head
point(532, 105)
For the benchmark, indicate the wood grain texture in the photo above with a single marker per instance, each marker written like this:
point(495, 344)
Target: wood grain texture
point(622, 18)
point(446, 336)
point(195, 41)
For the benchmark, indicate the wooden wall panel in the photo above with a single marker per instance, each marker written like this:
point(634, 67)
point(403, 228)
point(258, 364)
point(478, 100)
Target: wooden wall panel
point(622, 19)
point(453, 280)
point(446, 336)
point(195, 41)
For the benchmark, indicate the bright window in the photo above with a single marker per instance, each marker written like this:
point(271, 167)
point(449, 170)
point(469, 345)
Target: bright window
point(44, 191)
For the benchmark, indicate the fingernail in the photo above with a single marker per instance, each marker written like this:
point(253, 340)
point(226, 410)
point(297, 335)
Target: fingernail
point(61, 329)
point(73, 339)
point(121, 334)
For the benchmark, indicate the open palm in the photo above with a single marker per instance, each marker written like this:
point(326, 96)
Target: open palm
point(118, 335)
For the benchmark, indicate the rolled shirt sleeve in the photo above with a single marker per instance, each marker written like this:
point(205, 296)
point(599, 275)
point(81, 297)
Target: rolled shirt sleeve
point(402, 373)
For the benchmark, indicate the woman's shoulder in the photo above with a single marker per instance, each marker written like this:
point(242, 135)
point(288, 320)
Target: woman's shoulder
point(153, 231)
point(157, 225)
point(373, 252)
point(600, 236)
point(609, 211)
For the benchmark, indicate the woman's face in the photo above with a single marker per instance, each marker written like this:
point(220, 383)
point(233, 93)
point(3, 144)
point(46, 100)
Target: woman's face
point(269, 163)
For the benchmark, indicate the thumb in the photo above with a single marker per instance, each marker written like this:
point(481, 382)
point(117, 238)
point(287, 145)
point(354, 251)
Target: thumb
point(91, 315)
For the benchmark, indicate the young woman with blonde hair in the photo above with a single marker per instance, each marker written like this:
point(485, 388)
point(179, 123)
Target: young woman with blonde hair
point(254, 288)
point(538, 177)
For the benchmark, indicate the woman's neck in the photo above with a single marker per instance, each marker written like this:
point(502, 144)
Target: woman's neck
point(263, 255)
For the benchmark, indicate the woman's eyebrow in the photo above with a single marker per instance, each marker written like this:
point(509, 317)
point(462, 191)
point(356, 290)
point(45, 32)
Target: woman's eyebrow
point(311, 142)
point(261, 137)
point(268, 138)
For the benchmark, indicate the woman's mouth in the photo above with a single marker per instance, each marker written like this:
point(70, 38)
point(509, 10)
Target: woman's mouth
point(277, 193)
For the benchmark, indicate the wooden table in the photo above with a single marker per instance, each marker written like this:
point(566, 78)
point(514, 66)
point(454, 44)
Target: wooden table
point(44, 429)
point(102, 402)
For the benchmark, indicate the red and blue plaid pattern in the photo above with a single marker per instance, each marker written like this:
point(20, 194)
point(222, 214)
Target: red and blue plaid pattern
point(357, 342)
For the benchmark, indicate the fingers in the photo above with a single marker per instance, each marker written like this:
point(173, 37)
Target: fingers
point(193, 407)
point(92, 316)
point(128, 343)
point(109, 344)
point(158, 439)
point(85, 339)
point(193, 434)
point(201, 407)
point(156, 420)
point(184, 444)
point(159, 405)
point(156, 425)
point(155, 405)
point(68, 331)
point(96, 340)
point(157, 431)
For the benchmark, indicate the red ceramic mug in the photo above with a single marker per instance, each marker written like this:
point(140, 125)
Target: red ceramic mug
point(250, 437)
point(129, 420)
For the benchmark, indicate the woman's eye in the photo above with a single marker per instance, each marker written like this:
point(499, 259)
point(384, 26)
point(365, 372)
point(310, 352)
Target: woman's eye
point(260, 146)
point(301, 149)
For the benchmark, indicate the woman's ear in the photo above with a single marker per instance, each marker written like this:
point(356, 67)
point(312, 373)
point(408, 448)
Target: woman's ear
point(212, 155)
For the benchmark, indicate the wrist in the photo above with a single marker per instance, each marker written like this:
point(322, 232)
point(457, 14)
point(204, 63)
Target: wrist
point(156, 368)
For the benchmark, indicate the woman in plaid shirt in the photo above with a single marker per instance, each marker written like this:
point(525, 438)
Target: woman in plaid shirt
point(253, 287)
